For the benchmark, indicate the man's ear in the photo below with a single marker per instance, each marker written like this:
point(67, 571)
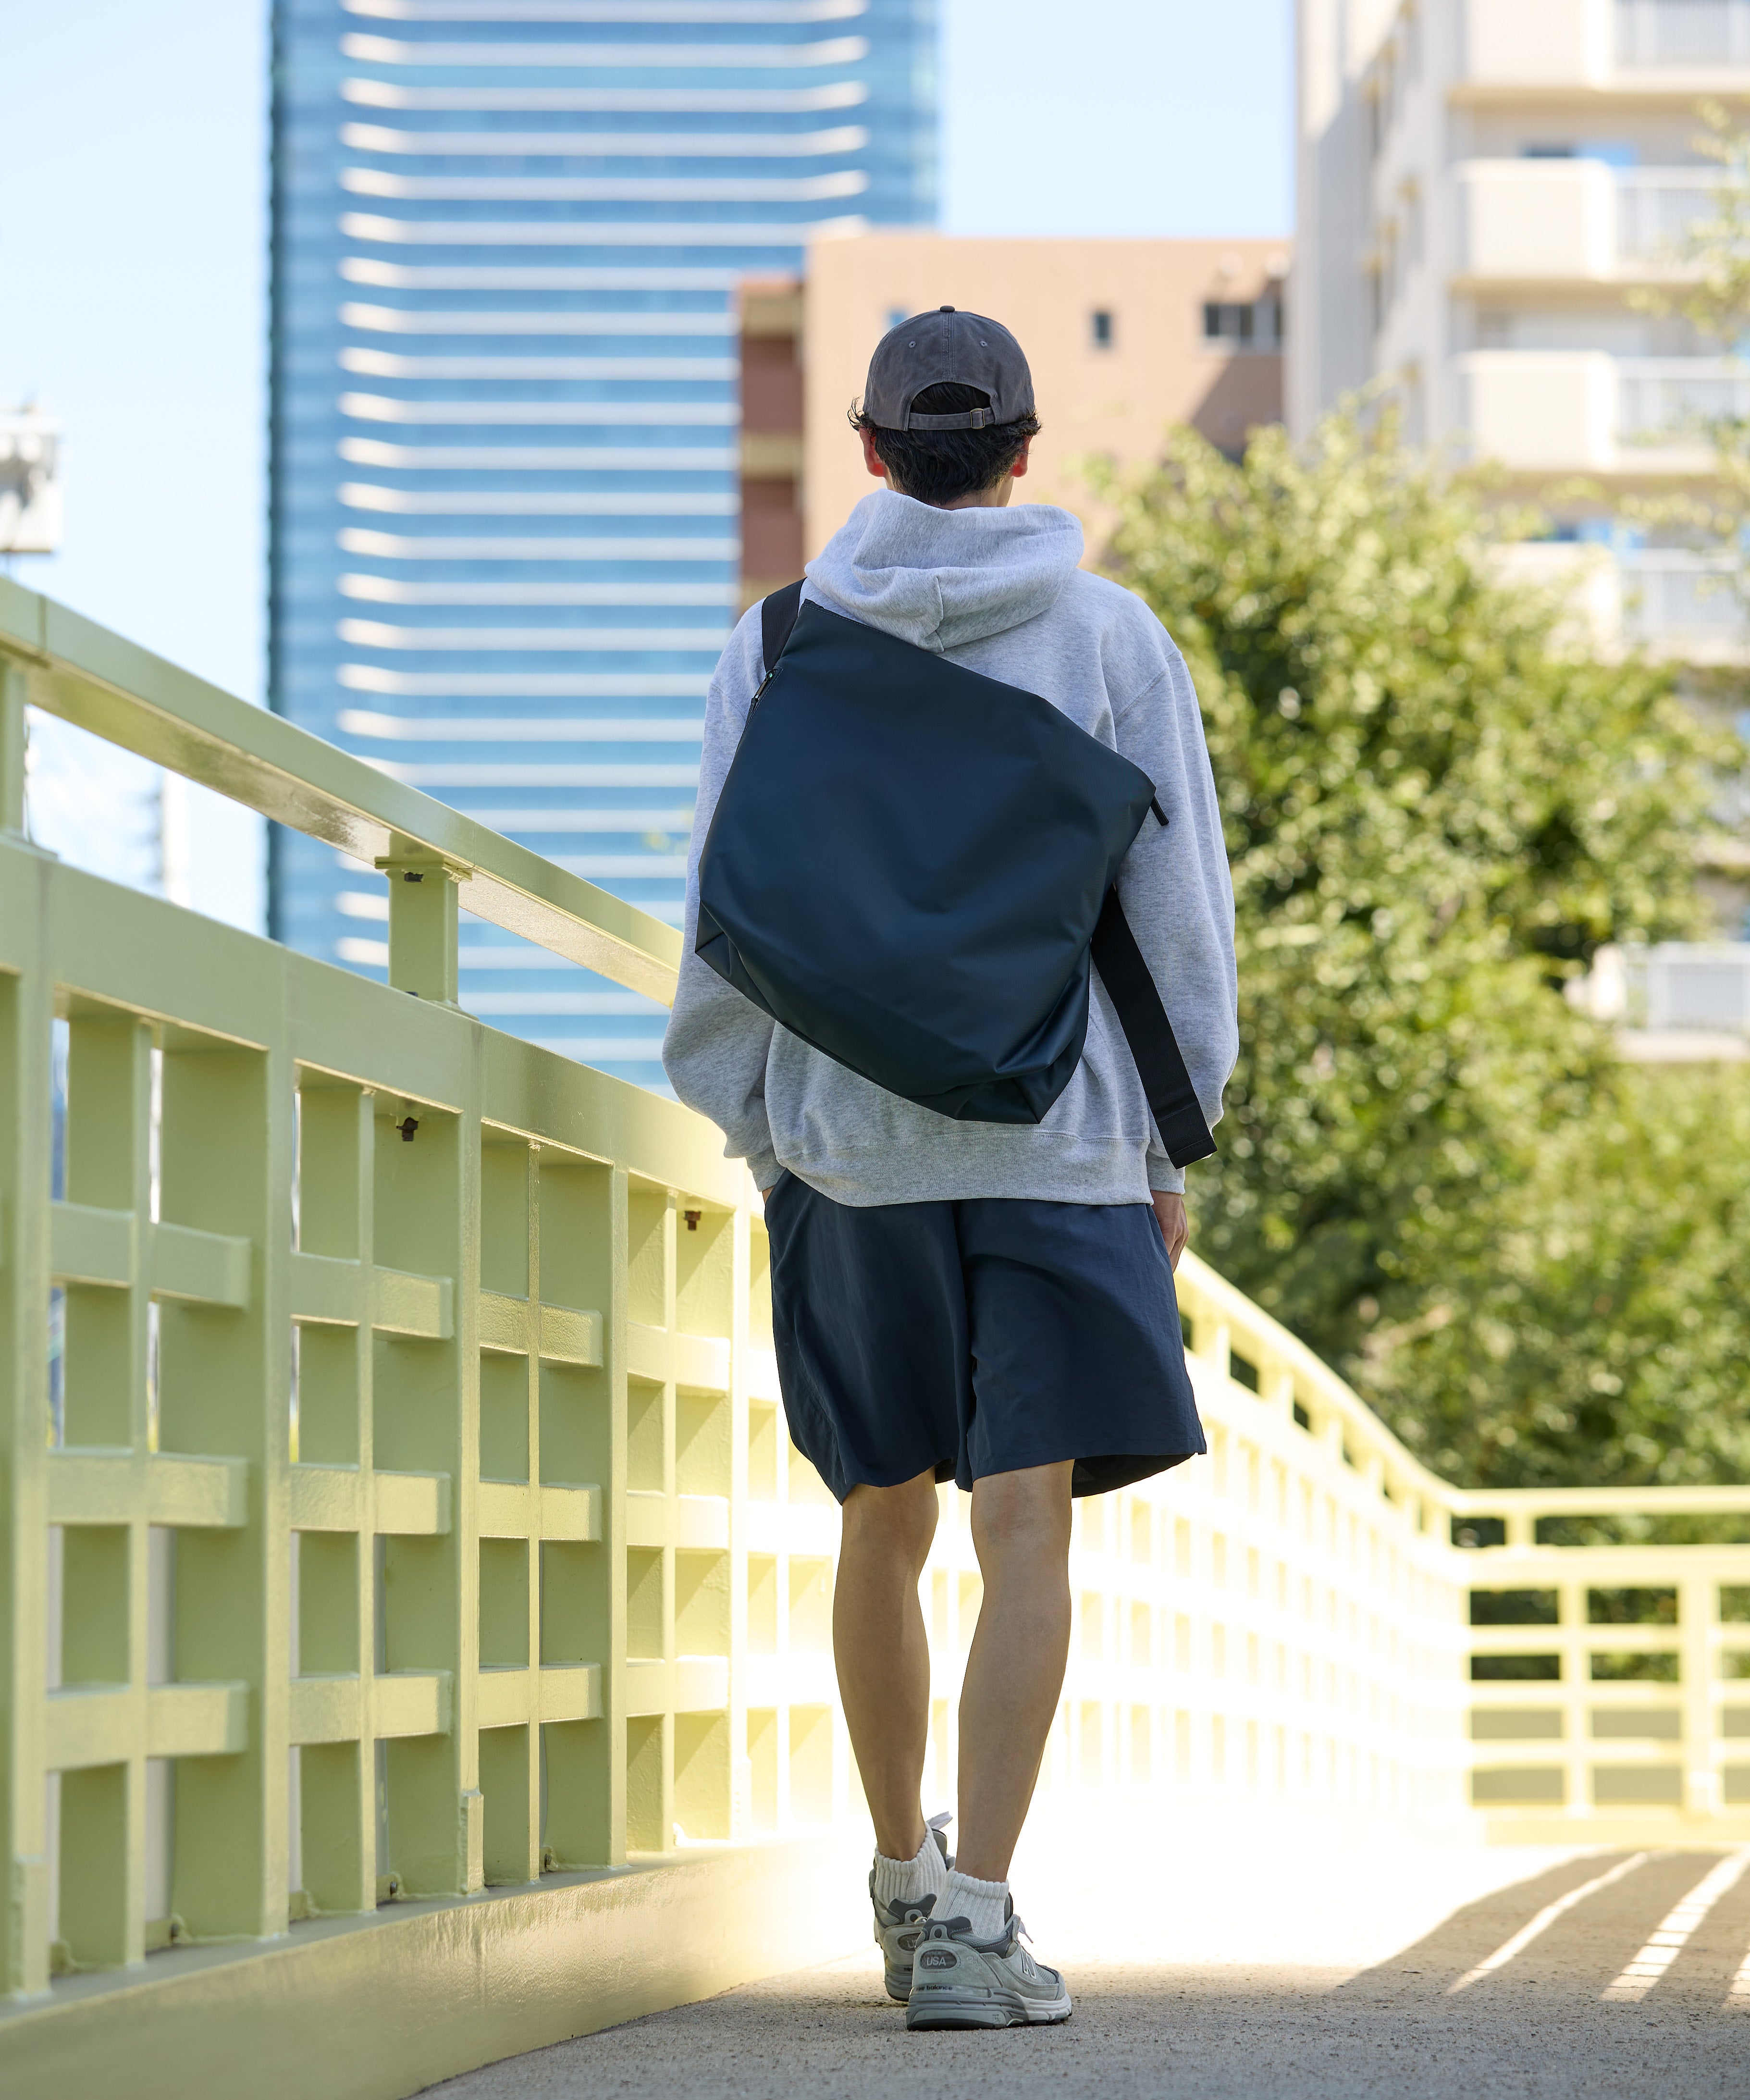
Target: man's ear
point(871, 457)
point(1020, 467)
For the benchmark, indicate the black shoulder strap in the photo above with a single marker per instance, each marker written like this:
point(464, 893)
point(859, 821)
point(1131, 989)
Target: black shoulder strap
point(777, 616)
point(1178, 1114)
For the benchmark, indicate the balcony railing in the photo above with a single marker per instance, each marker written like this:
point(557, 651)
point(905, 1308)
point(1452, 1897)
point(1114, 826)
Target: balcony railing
point(1632, 46)
point(416, 1628)
point(1690, 985)
point(1556, 220)
point(1586, 410)
point(1674, 400)
point(1672, 597)
point(1656, 207)
point(1683, 33)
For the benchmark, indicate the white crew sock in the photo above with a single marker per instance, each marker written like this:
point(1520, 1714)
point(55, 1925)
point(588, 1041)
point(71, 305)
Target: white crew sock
point(908, 1880)
point(985, 1904)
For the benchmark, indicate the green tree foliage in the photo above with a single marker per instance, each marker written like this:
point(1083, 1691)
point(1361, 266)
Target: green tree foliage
point(1601, 1332)
point(1432, 1167)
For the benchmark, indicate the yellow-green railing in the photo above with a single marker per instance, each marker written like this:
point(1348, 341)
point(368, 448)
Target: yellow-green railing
point(382, 1526)
point(53, 660)
point(406, 1511)
point(1345, 1625)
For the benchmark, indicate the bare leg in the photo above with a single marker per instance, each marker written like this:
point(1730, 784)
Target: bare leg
point(883, 1654)
point(1014, 1671)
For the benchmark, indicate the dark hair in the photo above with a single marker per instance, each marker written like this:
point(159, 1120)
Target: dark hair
point(941, 466)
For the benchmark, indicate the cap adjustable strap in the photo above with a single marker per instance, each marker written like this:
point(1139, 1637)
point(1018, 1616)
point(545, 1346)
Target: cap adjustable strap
point(967, 419)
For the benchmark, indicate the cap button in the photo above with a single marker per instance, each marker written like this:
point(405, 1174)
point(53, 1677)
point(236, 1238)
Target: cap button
point(944, 310)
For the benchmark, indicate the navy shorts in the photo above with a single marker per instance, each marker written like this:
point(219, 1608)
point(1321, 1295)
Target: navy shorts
point(977, 1336)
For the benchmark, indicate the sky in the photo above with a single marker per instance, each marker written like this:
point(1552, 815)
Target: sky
point(133, 252)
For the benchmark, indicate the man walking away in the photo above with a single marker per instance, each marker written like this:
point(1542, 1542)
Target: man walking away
point(988, 1303)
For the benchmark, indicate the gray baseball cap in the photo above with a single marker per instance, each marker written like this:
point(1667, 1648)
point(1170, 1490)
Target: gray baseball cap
point(947, 345)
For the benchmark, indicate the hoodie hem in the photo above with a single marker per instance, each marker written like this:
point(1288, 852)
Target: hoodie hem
point(864, 1178)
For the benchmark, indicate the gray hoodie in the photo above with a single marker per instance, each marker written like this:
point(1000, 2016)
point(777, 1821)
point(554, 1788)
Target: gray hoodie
point(999, 592)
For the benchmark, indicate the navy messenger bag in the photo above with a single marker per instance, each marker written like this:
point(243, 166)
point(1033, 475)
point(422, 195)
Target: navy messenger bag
point(911, 867)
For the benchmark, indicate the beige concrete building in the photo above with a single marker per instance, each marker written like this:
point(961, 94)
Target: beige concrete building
point(1485, 186)
point(1124, 338)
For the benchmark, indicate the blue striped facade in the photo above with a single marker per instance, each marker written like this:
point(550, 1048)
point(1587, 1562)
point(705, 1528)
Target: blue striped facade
point(508, 235)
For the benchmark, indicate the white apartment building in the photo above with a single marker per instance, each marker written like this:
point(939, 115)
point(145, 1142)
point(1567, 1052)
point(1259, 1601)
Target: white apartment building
point(1483, 184)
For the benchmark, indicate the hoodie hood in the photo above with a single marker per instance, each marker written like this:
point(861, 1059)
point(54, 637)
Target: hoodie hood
point(941, 578)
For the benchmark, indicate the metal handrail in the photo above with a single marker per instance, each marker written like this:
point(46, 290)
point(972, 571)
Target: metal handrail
point(69, 666)
point(1229, 1324)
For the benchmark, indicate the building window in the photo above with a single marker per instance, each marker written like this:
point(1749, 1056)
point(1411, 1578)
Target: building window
point(1409, 215)
point(1381, 93)
point(1234, 326)
point(1227, 323)
point(1386, 273)
point(1100, 329)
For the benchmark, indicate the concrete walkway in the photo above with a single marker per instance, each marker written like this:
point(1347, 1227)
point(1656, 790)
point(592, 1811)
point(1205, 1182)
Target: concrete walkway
point(1280, 1977)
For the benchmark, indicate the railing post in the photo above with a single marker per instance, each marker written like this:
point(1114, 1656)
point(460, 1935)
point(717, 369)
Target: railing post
point(27, 1661)
point(423, 931)
point(12, 741)
point(1576, 1693)
point(1698, 1598)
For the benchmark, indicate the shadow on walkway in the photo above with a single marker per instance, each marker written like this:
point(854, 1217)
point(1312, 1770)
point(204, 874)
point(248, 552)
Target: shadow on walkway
point(1581, 1952)
point(1536, 2026)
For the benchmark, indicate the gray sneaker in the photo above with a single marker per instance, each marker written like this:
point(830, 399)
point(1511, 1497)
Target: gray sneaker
point(960, 1982)
point(897, 1925)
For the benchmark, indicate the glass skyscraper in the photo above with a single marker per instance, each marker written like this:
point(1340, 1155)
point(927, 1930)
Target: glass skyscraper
point(507, 240)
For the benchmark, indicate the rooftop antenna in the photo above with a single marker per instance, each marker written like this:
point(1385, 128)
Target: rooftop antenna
point(32, 456)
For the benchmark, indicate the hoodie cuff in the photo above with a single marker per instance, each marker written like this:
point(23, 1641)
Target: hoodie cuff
point(1165, 1179)
point(766, 1172)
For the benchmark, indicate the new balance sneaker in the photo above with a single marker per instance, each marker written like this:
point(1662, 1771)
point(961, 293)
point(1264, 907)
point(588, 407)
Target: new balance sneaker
point(960, 1982)
point(898, 1925)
